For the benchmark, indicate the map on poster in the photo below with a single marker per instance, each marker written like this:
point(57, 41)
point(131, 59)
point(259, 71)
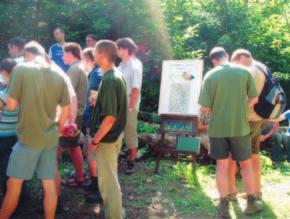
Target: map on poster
point(181, 82)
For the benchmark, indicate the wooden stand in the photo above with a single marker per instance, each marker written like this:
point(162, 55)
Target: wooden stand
point(175, 125)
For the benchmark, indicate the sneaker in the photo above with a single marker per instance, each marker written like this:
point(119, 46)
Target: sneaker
point(253, 205)
point(224, 208)
point(233, 197)
point(130, 168)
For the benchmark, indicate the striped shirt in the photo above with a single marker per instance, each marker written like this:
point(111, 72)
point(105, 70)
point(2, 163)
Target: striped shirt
point(8, 120)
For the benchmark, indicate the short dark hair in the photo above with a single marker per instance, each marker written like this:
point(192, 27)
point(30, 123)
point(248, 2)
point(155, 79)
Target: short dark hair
point(217, 53)
point(7, 65)
point(60, 29)
point(93, 36)
point(109, 48)
point(89, 53)
point(239, 53)
point(73, 48)
point(127, 43)
point(19, 42)
point(35, 48)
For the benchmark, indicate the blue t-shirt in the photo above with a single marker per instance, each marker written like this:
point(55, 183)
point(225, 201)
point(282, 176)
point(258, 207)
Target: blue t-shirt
point(287, 116)
point(56, 54)
point(95, 78)
point(8, 120)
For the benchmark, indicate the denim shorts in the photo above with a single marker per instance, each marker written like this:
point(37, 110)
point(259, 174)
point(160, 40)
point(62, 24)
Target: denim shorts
point(25, 160)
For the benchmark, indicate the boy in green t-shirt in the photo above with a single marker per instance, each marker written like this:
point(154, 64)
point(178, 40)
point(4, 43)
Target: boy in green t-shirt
point(107, 125)
point(227, 91)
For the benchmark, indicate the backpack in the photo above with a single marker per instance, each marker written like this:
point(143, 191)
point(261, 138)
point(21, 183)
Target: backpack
point(272, 100)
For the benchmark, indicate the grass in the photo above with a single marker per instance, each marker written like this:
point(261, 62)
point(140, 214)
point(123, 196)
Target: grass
point(181, 191)
point(178, 192)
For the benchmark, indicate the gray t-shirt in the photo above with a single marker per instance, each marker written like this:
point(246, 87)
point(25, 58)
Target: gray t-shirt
point(79, 82)
point(132, 72)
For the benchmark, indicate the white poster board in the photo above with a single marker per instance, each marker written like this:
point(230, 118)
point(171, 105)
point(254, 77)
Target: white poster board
point(181, 83)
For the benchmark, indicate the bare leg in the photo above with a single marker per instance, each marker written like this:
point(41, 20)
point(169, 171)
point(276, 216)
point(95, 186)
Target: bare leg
point(222, 175)
point(11, 199)
point(232, 175)
point(133, 153)
point(50, 198)
point(77, 160)
point(256, 165)
point(248, 176)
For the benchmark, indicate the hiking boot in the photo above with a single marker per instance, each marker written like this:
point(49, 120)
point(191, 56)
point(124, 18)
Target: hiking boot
point(224, 208)
point(253, 205)
point(130, 168)
point(233, 197)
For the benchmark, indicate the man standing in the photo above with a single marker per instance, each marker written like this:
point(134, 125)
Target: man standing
point(132, 70)
point(226, 93)
point(107, 125)
point(91, 40)
point(15, 47)
point(78, 77)
point(244, 58)
point(56, 50)
point(38, 90)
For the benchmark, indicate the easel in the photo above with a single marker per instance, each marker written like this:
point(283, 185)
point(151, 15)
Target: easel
point(178, 126)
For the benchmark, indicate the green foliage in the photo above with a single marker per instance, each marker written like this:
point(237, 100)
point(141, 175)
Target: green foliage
point(165, 29)
point(146, 128)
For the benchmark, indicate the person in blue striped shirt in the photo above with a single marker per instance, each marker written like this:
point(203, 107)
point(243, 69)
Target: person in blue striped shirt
point(8, 122)
point(56, 50)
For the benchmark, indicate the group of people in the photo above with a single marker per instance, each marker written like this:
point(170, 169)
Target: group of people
point(229, 93)
point(44, 95)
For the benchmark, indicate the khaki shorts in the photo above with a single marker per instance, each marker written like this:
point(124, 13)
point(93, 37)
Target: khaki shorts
point(131, 136)
point(256, 129)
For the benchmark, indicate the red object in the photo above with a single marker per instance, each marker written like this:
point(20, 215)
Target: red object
point(69, 130)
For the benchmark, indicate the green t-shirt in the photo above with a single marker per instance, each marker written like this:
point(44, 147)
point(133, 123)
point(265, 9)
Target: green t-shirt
point(111, 101)
point(79, 81)
point(39, 90)
point(226, 91)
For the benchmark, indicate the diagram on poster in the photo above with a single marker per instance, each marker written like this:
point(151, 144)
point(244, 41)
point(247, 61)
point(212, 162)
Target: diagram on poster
point(181, 82)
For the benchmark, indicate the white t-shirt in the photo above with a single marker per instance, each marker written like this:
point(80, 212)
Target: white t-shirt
point(132, 72)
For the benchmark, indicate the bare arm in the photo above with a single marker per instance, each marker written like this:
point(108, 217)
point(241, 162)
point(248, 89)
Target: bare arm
point(134, 97)
point(63, 116)
point(253, 101)
point(11, 103)
point(73, 109)
point(274, 130)
point(105, 127)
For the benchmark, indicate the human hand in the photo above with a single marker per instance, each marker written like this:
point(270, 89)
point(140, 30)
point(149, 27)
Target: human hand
point(263, 138)
point(92, 102)
point(93, 145)
point(276, 127)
